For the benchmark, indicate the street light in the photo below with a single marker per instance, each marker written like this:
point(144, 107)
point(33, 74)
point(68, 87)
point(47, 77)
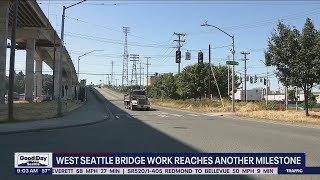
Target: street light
point(79, 63)
point(233, 52)
point(59, 105)
point(82, 56)
point(267, 82)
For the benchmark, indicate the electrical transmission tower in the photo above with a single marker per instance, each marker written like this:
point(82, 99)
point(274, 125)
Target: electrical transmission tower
point(125, 58)
point(134, 78)
point(140, 74)
point(179, 44)
point(148, 69)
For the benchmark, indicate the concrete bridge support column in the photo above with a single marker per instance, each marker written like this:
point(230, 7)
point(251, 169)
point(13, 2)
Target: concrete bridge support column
point(29, 70)
point(56, 77)
point(64, 92)
point(38, 79)
point(69, 84)
point(4, 13)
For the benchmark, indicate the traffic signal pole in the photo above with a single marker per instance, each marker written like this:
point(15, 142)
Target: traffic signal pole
point(179, 46)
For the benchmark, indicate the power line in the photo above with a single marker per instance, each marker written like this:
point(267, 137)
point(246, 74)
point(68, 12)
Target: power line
point(109, 28)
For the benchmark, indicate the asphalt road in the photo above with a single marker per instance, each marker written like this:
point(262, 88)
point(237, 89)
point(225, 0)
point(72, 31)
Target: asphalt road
point(163, 130)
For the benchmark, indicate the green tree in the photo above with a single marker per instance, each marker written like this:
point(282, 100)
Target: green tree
point(292, 95)
point(19, 84)
point(47, 84)
point(296, 56)
point(168, 82)
point(193, 81)
point(312, 101)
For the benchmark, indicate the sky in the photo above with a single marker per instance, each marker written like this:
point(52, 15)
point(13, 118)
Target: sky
point(98, 25)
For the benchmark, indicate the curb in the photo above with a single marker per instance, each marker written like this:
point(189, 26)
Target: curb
point(97, 95)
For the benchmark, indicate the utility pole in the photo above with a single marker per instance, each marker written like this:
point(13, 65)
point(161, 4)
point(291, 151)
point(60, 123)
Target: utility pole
point(245, 73)
point(228, 78)
point(233, 53)
point(143, 77)
point(179, 44)
point(267, 85)
point(112, 72)
point(54, 63)
point(12, 59)
point(116, 82)
point(209, 73)
point(108, 75)
point(286, 95)
point(59, 104)
point(125, 59)
point(297, 98)
point(134, 59)
point(148, 70)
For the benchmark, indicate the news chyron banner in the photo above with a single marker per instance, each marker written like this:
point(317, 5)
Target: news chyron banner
point(73, 163)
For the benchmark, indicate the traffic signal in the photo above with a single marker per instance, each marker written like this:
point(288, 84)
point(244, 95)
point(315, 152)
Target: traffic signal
point(255, 79)
point(265, 81)
point(240, 79)
point(200, 57)
point(251, 80)
point(178, 56)
point(188, 56)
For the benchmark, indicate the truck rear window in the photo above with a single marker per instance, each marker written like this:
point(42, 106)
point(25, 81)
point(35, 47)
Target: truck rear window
point(138, 93)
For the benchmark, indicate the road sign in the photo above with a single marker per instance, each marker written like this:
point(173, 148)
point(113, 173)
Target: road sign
point(232, 62)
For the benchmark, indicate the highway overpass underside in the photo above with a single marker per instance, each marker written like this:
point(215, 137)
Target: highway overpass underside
point(35, 35)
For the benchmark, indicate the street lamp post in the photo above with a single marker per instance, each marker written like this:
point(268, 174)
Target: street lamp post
point(59, 105)
point(84, 55)
point(233, 52)
point(79, 63)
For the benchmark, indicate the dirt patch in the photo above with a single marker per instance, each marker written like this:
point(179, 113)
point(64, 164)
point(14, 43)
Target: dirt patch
point(284, 116)
point(35, 111)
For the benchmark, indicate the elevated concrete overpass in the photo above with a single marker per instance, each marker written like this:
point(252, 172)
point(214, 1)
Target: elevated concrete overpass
point(36, 35)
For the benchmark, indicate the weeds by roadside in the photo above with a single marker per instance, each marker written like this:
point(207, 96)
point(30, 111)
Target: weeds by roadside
point(255, 110)
point(37, 111)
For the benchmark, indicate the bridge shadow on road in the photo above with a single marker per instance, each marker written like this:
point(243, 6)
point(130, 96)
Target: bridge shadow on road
point(128, 135)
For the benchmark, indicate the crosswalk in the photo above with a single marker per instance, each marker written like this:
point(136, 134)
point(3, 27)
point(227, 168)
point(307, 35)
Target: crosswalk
point(166, 115)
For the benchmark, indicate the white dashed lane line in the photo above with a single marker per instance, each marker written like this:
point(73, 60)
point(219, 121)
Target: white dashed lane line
point(193, 115)
point(162, 115)
point(177, 115)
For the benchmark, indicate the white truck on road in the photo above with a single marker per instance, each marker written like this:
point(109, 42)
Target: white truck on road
point(136, 99)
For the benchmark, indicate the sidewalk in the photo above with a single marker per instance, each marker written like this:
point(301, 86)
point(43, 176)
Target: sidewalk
point(91, 113)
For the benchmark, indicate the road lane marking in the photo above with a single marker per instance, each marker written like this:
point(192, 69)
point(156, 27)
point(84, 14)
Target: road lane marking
point(178, 115)
point(161, 115)
point(192, 114)
point(212, 114)
point(117, 117)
